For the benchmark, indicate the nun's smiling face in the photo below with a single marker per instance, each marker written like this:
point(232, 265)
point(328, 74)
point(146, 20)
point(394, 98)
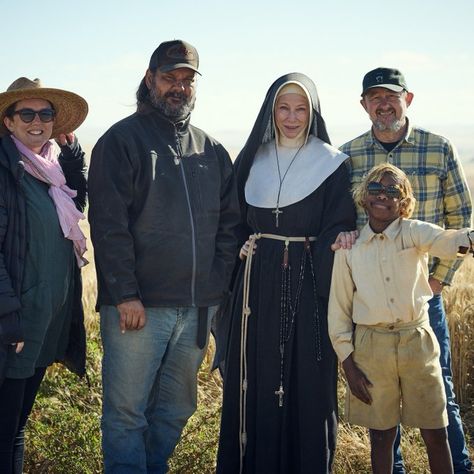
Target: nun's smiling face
point(291, 114)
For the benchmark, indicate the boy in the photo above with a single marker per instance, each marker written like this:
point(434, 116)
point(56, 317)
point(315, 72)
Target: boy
point(378, 319)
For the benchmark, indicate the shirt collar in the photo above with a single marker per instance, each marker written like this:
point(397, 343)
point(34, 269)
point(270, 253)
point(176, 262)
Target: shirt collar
point(367, 234)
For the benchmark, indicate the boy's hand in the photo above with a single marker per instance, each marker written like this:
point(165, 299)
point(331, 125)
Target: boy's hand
point(358, 382)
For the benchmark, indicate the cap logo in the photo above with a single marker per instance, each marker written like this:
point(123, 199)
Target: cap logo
point(179, 51)
point(379, 79)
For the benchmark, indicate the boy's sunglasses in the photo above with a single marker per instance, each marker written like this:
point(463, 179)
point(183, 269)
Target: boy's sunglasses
point(391, 191)
point(28, 115)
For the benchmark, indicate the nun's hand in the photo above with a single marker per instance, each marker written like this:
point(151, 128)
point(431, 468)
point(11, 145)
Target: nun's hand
point(244, 251)
point(345, 240)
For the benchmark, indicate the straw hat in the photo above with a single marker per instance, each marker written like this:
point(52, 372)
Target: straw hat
point(71, 109)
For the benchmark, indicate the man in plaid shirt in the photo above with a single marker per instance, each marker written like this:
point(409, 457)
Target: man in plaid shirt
point(443, 198)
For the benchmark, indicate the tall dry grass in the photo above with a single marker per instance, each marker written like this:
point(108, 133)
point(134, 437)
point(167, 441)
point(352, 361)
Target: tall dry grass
point(459, 303)
point(64, 433)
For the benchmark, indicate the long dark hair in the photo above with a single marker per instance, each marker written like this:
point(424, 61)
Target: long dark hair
point(143, 92)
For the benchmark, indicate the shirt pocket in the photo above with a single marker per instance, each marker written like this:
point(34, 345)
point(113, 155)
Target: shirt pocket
point(427, 184)
point(409, 265)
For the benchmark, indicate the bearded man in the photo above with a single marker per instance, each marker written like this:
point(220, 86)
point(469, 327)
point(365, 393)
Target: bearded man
point(163, 208)
point(442, 197)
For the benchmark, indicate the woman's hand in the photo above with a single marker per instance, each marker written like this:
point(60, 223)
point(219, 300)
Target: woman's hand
point(65, 139)
point(345, 240)
point(244, 251)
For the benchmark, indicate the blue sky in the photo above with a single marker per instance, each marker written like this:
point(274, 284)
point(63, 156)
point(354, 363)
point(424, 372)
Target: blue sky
point(100, 49)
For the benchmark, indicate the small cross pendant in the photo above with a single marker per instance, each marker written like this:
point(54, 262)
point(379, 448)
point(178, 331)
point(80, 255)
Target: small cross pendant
point(280, 392)
point(276, 212)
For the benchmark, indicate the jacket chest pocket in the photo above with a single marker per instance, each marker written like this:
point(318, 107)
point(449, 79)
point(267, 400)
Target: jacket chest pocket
point(204, 181)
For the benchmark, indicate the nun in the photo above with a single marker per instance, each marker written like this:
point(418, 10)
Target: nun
point(280, 372)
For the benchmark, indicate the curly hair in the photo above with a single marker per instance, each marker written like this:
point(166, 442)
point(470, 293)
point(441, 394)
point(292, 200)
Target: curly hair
point(407, 201)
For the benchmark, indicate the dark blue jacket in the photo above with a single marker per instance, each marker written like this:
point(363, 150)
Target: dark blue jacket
point(163, 212)
point(13, 246)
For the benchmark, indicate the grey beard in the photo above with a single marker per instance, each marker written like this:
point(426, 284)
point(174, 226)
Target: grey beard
point(172, 112)
point(395, 126)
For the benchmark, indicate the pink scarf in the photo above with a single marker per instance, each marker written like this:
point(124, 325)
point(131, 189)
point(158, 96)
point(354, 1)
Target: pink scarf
point(46, 168)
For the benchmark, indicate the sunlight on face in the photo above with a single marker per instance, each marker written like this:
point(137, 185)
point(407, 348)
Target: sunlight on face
point(34, 134)
point(291, 114)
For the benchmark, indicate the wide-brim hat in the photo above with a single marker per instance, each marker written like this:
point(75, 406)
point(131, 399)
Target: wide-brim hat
point(71, 109)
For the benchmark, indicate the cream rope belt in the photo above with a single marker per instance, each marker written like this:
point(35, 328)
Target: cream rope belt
point(246, 311)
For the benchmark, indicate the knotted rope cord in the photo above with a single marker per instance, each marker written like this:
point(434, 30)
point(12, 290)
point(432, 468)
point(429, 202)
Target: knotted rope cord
point(246, 312)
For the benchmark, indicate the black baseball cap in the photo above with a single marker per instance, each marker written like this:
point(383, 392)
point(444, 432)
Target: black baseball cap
point(174, 54)
point(384, 77)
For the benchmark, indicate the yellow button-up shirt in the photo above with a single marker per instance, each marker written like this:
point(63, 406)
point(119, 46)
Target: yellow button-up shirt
point(383, 279)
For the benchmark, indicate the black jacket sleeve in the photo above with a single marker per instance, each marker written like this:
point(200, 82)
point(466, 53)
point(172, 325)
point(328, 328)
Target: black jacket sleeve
point(111, 195)
point(9, 301)
point(73, 164)
point(226, 238)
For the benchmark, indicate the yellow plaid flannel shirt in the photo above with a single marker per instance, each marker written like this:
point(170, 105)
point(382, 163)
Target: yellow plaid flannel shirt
point(435, 172)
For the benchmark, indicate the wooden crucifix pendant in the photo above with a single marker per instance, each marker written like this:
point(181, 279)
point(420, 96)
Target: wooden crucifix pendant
point(276, 212)
point(279, 393)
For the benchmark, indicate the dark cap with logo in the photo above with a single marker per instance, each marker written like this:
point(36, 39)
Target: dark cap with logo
point(384, 77)
point(174, 54)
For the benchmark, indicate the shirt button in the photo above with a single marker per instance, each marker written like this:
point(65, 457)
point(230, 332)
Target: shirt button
point(381, 237)
point(387, 279)
point(392, 300)
point(384, 259)
point(398, 320)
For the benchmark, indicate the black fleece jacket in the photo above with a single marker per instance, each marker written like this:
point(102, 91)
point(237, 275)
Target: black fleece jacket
point(163, 210)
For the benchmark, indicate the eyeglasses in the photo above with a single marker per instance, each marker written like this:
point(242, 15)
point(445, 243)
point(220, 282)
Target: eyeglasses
point(184, 83)
point(28, 115)
point(392, 191)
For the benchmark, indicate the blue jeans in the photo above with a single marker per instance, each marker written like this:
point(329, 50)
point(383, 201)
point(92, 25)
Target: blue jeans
point(457, 442)
point(149, 387)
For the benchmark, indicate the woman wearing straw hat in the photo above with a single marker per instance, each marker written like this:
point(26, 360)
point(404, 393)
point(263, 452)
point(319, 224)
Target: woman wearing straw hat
point(42, 193)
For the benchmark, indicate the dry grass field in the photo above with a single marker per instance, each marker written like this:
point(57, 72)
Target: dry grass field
point(64, 432)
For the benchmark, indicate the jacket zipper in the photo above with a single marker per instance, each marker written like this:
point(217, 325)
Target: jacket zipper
point(193, 230)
